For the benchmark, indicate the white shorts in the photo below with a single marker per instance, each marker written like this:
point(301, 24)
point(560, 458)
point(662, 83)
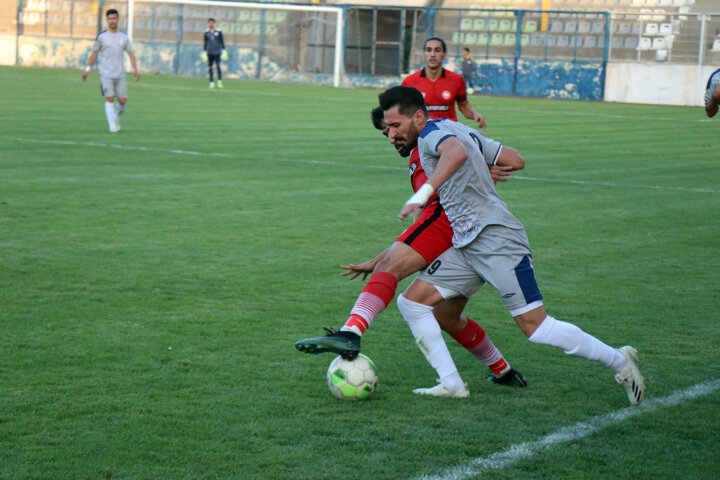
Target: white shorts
point(113, 87)
point(500, 256)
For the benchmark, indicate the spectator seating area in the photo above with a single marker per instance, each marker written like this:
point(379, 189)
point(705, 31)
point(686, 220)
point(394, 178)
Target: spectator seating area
point(636, 25)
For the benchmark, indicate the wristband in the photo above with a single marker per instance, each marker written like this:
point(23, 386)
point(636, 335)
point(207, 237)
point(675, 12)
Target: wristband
point(87, 68)
point(422, 195)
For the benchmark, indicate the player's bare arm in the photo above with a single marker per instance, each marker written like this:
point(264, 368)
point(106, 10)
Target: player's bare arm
point(471, 114)
point(508, 161)
point(711, 108)
point(131, 55)
point(399, 259)
point(91, 62)
point(511, 158)
point(452, 156)
point(500, 173)
point(365, 268)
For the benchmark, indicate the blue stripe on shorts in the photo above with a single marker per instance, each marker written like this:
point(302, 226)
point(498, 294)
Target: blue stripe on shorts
point(526, 278)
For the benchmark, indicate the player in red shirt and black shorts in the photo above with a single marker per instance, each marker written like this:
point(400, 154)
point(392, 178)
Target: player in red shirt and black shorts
point(431, 234)
point(440, 87)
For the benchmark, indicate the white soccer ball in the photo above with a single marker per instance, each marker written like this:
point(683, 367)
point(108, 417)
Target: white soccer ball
point(352, 380)
point(470, 91)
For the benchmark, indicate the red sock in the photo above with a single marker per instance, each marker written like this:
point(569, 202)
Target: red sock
point(375, 297)
point(476, 341)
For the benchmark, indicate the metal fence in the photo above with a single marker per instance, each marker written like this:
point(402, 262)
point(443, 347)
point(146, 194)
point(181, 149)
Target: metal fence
point(387, 41)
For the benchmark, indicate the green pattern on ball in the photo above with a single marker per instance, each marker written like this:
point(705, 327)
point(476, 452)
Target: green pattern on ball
point(364, 391)
point(338, 378)
point(348, 390)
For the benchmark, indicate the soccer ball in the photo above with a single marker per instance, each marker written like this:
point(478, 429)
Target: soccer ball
point(352, 380)
point(470, 91)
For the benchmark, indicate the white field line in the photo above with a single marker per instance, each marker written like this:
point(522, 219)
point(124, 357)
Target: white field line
point(613, 184)
point(114, 145)
point(522, 451)
point(338, 164)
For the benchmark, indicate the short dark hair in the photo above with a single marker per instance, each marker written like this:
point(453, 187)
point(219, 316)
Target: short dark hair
point(211, 19)
point(408, 99)
point(466, 49)
point(110, 12)
point(438, 39)
point(377, 116)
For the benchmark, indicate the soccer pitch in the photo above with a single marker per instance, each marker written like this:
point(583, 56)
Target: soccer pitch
point(153, 282)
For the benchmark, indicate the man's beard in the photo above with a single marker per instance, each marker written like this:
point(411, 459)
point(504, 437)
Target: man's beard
point(405, 149)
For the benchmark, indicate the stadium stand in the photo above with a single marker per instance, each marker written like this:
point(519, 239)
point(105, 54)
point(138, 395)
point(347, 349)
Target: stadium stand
point(637, 25)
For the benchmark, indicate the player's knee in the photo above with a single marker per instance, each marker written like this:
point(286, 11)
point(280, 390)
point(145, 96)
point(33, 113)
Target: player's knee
point(388, 265)
point(530, 321)
point(451, 324)
point(400, 265)
point(411, 310)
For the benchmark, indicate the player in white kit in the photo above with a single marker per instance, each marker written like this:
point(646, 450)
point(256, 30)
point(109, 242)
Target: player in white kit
point(111, 44)
point(489, 243)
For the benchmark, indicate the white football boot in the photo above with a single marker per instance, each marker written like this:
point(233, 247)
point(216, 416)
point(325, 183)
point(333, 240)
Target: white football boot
point(439, 390)
point(630, 376)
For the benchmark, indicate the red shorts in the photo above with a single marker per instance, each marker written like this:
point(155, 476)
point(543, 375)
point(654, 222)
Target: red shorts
point(431, 234)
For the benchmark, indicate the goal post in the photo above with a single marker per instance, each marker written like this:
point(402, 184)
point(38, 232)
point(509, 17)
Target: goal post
point(289, 41)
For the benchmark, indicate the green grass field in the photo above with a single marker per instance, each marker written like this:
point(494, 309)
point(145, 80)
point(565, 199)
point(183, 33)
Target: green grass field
point(153, 282)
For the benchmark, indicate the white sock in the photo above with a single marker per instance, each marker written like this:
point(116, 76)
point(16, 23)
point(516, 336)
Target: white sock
point(120, 109)
point(428, 337)
point(576, 342)
point(110, 113)
point(353, 329)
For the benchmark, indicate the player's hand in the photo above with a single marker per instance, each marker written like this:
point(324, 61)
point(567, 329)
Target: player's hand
point(203, 56)
point(224, 55)
point(356, 270)
point(137, 77)
point(410, 208)
point(500, 173)
point(85, 75)
point(481, 120)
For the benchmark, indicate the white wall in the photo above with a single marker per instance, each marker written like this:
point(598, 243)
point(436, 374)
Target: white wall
point(7, 49)
point(659, 84)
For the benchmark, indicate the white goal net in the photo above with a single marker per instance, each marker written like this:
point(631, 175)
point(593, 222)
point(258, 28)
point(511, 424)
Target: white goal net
point(268, 41)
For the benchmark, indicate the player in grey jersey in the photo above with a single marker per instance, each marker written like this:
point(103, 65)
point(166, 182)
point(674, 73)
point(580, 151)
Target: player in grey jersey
point(489, 243)
point(712, 94)
point(111, 45)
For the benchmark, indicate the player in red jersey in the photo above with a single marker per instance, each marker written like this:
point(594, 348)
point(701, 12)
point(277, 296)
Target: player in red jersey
point(440, 87)
point(416, 248)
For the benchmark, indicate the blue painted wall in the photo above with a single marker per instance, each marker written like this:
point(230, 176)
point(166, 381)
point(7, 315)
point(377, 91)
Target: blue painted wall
point(537, 78)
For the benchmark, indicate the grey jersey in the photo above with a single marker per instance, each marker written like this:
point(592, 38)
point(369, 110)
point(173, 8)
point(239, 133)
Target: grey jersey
point(111, 47)
point(712, 85)
point(469, 196)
